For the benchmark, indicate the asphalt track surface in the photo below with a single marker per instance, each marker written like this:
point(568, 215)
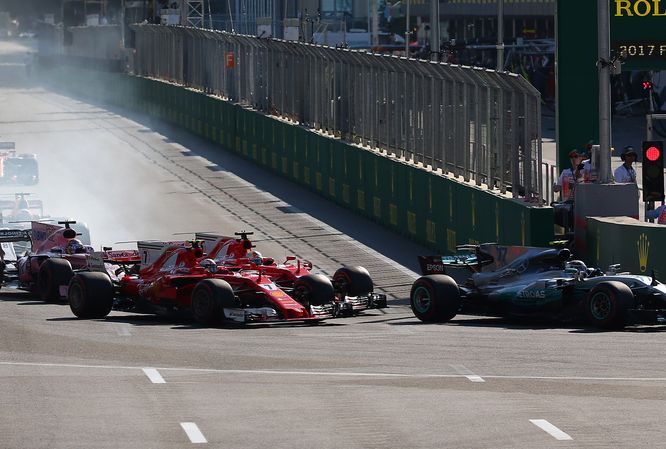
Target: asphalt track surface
point(380, 380)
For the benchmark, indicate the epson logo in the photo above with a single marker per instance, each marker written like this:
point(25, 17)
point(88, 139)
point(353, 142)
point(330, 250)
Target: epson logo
point(532, 294)
point(435, 267)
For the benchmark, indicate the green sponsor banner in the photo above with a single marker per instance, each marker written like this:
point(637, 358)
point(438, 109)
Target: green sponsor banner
point(641, 248)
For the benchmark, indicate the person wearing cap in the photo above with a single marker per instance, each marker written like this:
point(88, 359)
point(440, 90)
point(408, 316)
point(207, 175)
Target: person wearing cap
point(576, 174)
point(625, 173)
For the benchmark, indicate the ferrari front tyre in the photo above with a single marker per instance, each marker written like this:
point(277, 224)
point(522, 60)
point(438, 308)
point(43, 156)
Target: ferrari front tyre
point(435, 298)
point(353, 281)
point(607, 305)
point(314, 289)
point(209, 299)
point(53, 273)
point(90, 295)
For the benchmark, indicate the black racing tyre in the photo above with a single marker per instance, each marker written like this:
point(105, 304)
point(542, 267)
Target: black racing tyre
point(313, 289)
point(353, 281)
point(607, 305)
point(52, 274)
point(209, 298)
point(435, 298)
point(90, 295)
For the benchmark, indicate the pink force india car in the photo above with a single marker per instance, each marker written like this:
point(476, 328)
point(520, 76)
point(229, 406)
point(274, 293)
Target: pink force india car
point(224, 286)
point(53, 256)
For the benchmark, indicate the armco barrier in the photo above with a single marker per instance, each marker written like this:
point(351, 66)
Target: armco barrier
point(424, 205)
point(641, 249)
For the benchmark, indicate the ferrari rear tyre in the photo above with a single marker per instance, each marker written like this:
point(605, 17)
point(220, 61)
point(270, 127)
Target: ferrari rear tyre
point(435, 298)
point(52, 274)
point(353, 281)
point(90, 295)
point(314, 289)
point(607, 305)
point(209, 299)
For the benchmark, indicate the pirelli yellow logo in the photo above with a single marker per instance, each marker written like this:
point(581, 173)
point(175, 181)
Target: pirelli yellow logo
point(451, 240)
point(643, 245)
point(295, 169)
point(431, 231)
point(306, 175)
point(393, 214)
point(411, 222)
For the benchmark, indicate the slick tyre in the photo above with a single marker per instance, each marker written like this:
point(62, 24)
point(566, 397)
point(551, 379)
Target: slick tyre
point(435, 298)
point(52, 274)
point(607, 305)
point(353, 281)
point(90, 295)
point(314, 289)
point(209, 299)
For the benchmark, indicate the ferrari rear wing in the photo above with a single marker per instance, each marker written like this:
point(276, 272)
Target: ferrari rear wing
point(97, 260)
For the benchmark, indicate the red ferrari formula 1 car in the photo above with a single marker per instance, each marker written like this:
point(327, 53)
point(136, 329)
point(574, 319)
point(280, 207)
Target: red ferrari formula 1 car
point(353, 286)
point(175, 276)
point(54, 254)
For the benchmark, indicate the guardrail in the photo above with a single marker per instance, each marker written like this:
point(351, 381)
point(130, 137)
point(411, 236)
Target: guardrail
point(480, 125)
point(427, 206)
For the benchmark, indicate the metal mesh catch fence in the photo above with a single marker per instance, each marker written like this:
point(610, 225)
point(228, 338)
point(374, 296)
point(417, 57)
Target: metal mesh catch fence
point(479, 125)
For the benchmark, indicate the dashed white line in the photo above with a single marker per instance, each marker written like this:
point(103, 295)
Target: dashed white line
point(193, 432)
point(460, 369)
point(339, 373)
point(154, 376)
point(551, 429)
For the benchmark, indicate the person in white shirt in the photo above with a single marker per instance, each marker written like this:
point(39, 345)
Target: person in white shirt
point(625, 173)
point(577, 173)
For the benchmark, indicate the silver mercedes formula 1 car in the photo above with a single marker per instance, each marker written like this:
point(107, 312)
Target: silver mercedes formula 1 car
point(518, 281)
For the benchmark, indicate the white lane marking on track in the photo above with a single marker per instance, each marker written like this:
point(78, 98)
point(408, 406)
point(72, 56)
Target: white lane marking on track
point(154, 376)
point(460, 369)
point(551, 429)
point(339, 373)
point(122, 329)
point(193, 432)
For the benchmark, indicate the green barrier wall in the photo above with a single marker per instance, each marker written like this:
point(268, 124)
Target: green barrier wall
point(641, 249)
point(427, 207)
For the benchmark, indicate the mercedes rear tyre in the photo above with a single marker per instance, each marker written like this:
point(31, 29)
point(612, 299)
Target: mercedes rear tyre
point(53, 273)
point(314, 289)
point(353, 281)
point(607, 305)
point(90, 295)
point(209, 299)
point(435, 298)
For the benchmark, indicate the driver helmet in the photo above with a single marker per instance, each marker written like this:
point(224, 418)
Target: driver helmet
point(255, 257)
point(578, 265)
point(209, 264)
point(74, 246)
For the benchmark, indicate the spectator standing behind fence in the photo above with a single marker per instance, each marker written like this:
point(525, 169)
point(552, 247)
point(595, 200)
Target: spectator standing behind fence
point(625, 173)
point(577, 173)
